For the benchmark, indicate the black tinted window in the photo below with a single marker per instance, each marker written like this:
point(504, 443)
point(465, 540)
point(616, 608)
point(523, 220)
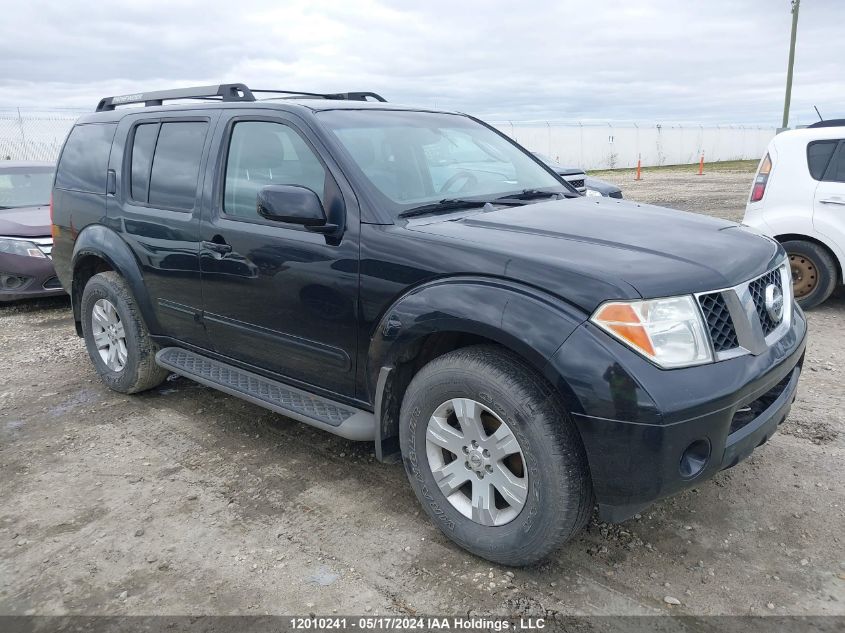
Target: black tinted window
point(836, 170)
point(176, 164)
point(818, 157)
point(263, 153)
point(85, 158)
point(142, 156)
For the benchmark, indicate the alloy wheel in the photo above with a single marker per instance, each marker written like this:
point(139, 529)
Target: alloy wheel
point(109, 334)
point(477, 462)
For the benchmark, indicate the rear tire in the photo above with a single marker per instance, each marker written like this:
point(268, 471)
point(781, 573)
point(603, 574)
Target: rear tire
point(814, 272)
point(503, 391)
point(116, 338)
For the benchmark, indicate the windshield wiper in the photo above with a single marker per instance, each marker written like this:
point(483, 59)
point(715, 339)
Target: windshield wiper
point(453, 204)
point(532, 194)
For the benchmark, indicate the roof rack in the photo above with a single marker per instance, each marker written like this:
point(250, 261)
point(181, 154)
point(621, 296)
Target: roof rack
point(222, 92)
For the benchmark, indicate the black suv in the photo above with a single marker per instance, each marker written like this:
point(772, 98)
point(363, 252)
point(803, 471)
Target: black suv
point(418, 280)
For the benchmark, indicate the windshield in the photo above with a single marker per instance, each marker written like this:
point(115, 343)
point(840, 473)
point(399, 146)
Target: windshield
point(25, 186)
point(417, 158)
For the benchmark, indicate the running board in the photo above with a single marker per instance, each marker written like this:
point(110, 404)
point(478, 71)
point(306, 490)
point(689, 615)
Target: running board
point(325, 414)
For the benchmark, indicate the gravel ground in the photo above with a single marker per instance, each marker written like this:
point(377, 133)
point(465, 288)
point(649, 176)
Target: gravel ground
point(187, 501)
point(722, 190)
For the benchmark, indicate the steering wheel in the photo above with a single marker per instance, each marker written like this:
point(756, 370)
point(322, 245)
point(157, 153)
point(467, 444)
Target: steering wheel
point(468, 176)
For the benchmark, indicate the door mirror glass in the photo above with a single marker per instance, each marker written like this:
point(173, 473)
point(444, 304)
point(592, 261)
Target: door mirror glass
point(292, 204)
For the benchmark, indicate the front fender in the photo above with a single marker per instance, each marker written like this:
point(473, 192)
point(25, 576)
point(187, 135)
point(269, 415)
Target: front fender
point(101, 241)
point(528, 321)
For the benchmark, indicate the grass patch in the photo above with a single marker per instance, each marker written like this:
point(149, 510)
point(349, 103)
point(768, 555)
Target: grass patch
point(727, 165)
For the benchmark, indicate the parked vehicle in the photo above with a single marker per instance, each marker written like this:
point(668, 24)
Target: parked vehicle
point(585, 184)
point(798, 198)
point(26, 270)
point(418, 280)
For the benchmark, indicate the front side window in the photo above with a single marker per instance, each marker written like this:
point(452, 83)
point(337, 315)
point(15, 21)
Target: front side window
point(415, 158)
point(176, 165)
point(85, 158)
point(836, 170)
point(25, 186)
point(265, 153)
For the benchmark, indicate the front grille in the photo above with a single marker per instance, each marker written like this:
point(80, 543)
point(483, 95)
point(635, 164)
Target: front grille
point(757, 288)
point(719, 321)
point(737, 319)
point(747, 414)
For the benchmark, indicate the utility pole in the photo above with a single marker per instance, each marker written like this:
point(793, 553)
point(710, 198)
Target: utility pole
point(795, 5)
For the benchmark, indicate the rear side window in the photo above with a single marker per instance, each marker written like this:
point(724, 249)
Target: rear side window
point(165, 163)
point(85, 158)
point(819, 154)
point(143, 145)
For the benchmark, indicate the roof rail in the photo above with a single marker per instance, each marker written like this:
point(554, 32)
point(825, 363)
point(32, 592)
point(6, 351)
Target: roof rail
point(223, 92)
point(339, 96)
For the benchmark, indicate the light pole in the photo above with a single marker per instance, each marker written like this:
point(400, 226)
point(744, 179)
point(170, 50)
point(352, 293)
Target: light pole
point(795, 5)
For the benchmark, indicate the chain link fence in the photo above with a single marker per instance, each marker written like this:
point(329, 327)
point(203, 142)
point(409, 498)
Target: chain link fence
point(27, 134)
point(34, 134)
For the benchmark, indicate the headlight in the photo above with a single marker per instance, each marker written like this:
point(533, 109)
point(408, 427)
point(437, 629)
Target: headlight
point(592, 192)
point(20, 247)
point(669, 332)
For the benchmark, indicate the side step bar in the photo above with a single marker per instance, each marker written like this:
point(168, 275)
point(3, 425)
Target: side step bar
point(325, 414)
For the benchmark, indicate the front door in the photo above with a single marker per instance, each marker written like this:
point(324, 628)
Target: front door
point(829, 202)
point(276, 296)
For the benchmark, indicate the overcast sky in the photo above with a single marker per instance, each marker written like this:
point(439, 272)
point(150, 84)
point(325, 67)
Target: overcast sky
point(713, 61)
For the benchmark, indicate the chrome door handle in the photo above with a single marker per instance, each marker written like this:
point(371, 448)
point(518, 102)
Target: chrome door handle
point(833, 201)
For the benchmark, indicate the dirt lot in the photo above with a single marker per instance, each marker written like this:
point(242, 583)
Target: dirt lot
point(187, 501)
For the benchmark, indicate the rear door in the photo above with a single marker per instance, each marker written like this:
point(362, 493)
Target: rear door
point(160, 214)
point(829, 199)
point(276, 296)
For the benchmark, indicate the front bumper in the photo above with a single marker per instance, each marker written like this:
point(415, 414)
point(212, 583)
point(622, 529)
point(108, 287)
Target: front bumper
point(27, 278)
point(638, 422)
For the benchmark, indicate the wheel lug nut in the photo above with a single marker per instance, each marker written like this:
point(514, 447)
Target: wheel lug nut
point(466, 450)
point(486, 453)
point(488, 468)
point(474, 444)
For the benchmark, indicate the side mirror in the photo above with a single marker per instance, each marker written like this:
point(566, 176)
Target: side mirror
point(291, 204)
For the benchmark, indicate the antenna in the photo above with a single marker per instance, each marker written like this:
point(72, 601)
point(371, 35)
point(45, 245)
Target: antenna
point(819, 113)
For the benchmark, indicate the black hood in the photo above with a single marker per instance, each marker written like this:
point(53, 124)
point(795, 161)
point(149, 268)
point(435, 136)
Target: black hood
point(589, 250)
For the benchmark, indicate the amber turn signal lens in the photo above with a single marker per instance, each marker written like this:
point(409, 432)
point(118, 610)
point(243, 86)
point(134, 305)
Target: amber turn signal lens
point(622, 320)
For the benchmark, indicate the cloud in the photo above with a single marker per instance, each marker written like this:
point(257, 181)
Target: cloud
point(659, 60)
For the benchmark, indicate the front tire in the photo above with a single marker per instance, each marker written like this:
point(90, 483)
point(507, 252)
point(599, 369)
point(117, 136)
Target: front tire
point(493, 456)
point(116, 338)
point(814, 272)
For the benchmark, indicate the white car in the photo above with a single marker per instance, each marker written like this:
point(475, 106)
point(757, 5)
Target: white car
point(798, 198)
